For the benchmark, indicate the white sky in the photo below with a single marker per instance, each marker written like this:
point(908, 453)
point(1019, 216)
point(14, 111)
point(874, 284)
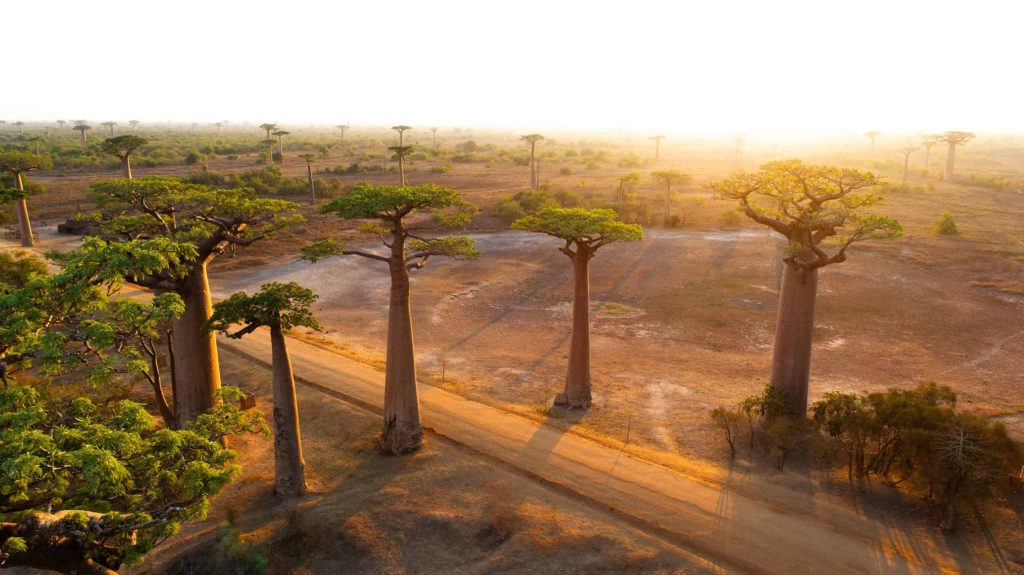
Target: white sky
point(707, 66)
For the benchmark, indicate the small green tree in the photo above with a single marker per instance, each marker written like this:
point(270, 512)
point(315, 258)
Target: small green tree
point(18, 164)
point(279, 307)
point(845, 416)
point(945, 225)
point(87, 488)
point(387, 209)
point(584, 232)
point(122, 147)
point(728, 420)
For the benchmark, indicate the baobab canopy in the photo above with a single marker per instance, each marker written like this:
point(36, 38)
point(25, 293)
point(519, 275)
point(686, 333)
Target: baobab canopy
point(596, 227)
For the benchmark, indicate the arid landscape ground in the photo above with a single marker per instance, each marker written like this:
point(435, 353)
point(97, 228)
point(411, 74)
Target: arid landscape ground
point(682, 322)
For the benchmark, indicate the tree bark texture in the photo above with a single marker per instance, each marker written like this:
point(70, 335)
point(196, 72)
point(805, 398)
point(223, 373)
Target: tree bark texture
point(791, 363)
point(401, 431)
point(577, 380)
point(289, 466)
point(196, 367)
point(24, 224)
point(126, 167)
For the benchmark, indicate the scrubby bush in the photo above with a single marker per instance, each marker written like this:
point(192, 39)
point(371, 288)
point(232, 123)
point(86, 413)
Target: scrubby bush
point(441, 168)
point(565, 171)
point(728, 420)
point(945, 225)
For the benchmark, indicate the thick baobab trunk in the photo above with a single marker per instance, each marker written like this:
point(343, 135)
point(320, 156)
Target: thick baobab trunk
point(158, 389)
point(126, 167)
point(950, 160)
point(196, 367)
point(401, 170)
point(533, 165)
point(791, 363)
point(577, 380)
point(289, 466)
point(309, 176)
point(401, 431)
point(24, 224)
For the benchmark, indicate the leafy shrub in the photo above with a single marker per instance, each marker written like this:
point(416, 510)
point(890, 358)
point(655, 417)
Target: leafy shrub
point(194, 158)
point(945, 225)
point(441, 168)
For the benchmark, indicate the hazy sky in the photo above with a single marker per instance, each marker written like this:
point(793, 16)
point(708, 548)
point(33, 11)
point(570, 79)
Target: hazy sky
point(705, 66)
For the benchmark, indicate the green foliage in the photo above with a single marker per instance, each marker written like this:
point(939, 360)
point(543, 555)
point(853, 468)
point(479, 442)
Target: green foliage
point(441, 168)
point(17, 162)
point(124, 484)
point(282, 305)
point(123, 146)
point(368, 201)
point(17, 267)
point(945, 225)
point(594, 227)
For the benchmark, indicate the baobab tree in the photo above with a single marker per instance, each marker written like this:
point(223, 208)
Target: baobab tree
point(279, 134)
point(584, 232)
point(110, 126)
point(532, 139)
point(219, 126)
point(269, 143)
point(820, 210)
point(907, 150)
point(197, 223)
point(433, 135)
point(401, 131)
point(872, 135)
point(18, 164)
point(928, 142)
point(269, 128)
point(343, 129)
point(34, 140)
point(389, 208)
point(401, 152)
point(134, 124)
point(657, 146)
point(280, 307)
point(669, 177)
point(21, 127)
point(122, 147)
point(309, 175)
point(61, 123)
point(952, 139)
point(82, 128)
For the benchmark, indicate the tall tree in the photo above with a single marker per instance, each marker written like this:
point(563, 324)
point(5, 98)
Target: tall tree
point(18, 164)
point(952, 140)
point(928, 142)
point(61, 123)
point(821, 211)
point(89, 488)
point(872, 135)
point(669, 177)
point(343, 129)
point(280, 307)
point(657, 146)
point(82, 128)
point(219, 126)
point(433, 135)
point(269, 143)
point(532, 139)
point(309, 176)
point(401, 152)
point(280, 143)
point(110, 126)
point(401, 129)
point(389, 209)
point(269, 128)
point(122, 147)
point(34, 140)
point(584, 232)
point(21, 126)
point(208, 219)
point(907, 150)
point(134, 124)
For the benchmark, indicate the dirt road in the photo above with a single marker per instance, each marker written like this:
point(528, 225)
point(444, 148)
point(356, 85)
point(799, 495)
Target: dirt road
point(734, 530)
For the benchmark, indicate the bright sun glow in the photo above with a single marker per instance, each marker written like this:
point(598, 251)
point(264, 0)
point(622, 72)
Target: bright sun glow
point(780, 67)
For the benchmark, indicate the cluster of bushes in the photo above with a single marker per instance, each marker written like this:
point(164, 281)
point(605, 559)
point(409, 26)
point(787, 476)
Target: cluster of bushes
point(269, 181)
point(914, 437)
point(510, 208)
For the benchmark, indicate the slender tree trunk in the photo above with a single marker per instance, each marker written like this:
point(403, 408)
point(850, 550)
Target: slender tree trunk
point(126, 166)
point(401, 431)
point(668, 203)
point(83, 135)
point(158, 390)
point(577, 380)
point(309, 175)
point(196, 367)
point(289, 466)
point(24, 224)
point(401, 170)
point(791, 364)
point(950, 159)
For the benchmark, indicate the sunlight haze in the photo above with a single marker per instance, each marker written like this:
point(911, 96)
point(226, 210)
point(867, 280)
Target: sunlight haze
point(701, 68)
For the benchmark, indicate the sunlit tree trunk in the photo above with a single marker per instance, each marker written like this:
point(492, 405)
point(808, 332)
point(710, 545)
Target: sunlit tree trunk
point(577, 380)
point(309, 176)
point(196, 369)
point(401, 430)
point(950, 160)
point(289, 466)
point(791, 364)
point(24, 224)
point(126, 166)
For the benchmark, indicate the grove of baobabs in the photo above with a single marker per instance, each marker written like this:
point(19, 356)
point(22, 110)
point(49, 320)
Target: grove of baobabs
point(512, 287)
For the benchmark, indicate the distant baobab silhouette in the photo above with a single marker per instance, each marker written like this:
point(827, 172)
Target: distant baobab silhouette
point(61, 123)
point(532, 139)
point(219, 126)
point(82, 128)
point(21, 127)
point(657, 146)
point(122, 147)
point(953, 139)
point(928, 142)
point(907, 150)
point(280, 143)
point(110, 126)
point(401, 152)
point(309, 176)
point(669, 177)
point(343, 128)
point(433, 133)
point(134, 124)
point(872, 135)
point(269, 128)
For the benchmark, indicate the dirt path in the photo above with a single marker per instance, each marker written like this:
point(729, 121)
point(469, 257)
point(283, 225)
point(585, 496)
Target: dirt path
point(720, 522)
